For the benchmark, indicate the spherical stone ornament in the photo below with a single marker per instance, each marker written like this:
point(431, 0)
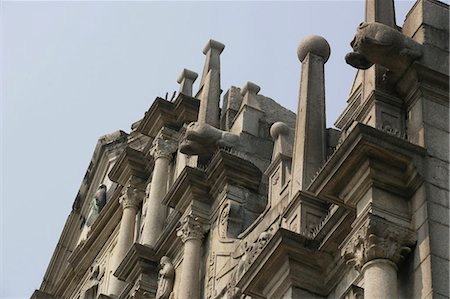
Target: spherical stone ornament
point(278, 128)
point(314, 44)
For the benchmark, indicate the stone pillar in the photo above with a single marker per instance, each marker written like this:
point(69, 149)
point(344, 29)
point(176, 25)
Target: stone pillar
point(310, 146)
point(186, 80)
point(129, 201)
point(164, 145)
point(191, 233)
point(380, 279)
point(375, 248)
point(209, 92)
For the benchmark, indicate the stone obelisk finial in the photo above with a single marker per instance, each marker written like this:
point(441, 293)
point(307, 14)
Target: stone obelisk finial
point(209, 92)
point(186, 80)
point(250, 94)
point(310, 133)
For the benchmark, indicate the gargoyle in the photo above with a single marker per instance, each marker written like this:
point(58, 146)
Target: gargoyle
point(376, 43)
point(202, 138)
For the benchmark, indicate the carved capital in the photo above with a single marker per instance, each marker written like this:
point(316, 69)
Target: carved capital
point(131, 197)
point(164, 144)
point(376, 238)
point(191, 228)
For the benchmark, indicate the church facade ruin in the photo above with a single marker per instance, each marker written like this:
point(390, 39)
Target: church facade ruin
point(250, 200)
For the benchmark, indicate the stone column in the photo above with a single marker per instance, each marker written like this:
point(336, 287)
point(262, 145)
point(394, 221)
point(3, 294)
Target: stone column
point(380, 279)
point(310, 146)
point(191, 233)
point(186, 80)
point(375, 248)
point(129, 201)
point(162, 150)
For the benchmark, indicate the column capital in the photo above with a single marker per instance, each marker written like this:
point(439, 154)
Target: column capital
point(191, 228)
point(131, 197)
point(164, 144)
point(376, 238)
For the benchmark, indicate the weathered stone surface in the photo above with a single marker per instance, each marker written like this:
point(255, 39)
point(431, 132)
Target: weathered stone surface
point(250, 200)
point(202, 138)
point(310, 152)
point(376, 43)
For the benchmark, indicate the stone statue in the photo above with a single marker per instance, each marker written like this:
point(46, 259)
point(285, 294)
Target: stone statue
point(97, 204)
point(202, 138)
point(376, 43)
point(165, 279)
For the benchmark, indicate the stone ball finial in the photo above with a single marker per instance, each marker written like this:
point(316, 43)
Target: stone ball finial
point(314, 44)
point(277, 129)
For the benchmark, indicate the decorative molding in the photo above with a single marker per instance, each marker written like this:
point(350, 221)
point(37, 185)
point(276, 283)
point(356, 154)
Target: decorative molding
point(376, 238)
point(353, 292)
point(131, 197)
point(191, 228)
point(164, 144)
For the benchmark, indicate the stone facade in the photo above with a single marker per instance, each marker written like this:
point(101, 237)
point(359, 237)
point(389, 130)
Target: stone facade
point(249, 201)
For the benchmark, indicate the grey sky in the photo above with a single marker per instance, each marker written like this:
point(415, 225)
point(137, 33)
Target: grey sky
point(73, 71)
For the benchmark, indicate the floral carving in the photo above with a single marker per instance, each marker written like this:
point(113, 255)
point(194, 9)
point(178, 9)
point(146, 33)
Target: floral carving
point(191, 228)
point(164, 144)
point(131, 197)
point(377, 239)
point(223, 220)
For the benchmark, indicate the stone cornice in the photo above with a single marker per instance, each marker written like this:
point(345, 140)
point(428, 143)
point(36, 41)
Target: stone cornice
point(105, 145)
point(369, 156)
point(358, 109)
point(202, 186)
point(84, 254)
point(139, 259)
point(276, 162)
point(38, 294)
point(376, 238)
point(288, 257)
point(131, 167)
point(190, 186)
point(227, 168)
point(171, 114)
point(168, 243)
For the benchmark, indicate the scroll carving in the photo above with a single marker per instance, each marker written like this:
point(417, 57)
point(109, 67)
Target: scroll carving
point(377, 239)
point(191, 228)
point(164, 145)
point(131, 197)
